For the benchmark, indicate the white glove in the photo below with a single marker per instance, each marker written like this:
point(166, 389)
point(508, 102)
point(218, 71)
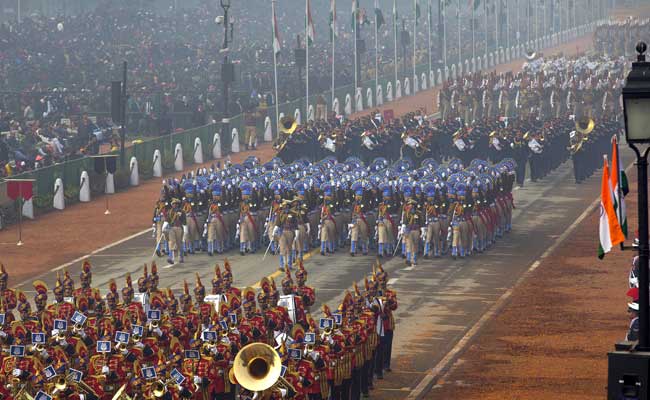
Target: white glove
point(350, 226)
point(106, 370)
point(82, 334)
point(314, 355)
point(124, 351)
point(402, 229)
point(3, 334)
point(17, 372)
point(63, 343)
point(276, 230)
point(158, 331)
point(197, 380)
point(55, 332)
point(45, 354)
point(139, 345)
point(220, 372)
point(82, 397)
point(165, 226)
point(283, 392)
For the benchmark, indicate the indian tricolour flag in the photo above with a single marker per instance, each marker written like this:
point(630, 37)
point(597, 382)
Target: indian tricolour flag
point(276, 34)
point(333, 30)
point(609, 229)
point(619, 186)
point(311, 32)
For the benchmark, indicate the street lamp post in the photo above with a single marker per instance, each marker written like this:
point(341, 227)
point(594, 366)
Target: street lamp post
point(227, 76)
point(628, 365)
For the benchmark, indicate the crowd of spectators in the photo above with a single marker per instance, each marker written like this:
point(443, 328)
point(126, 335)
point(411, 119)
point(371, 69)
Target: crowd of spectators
point(54, 70)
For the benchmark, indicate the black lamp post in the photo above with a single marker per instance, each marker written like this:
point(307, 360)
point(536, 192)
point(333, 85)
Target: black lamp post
point(227, 76)
point(636, 109)
point(629, 365)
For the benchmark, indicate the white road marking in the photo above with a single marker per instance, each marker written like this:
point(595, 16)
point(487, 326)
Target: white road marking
point(411, 268)
point(99, 250)
point(392, 281)
point(431, 377)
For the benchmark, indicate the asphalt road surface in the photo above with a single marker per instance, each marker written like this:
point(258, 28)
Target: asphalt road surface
point(439, 299)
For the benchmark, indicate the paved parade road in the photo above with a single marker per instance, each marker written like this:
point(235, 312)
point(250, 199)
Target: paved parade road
point(439, 300)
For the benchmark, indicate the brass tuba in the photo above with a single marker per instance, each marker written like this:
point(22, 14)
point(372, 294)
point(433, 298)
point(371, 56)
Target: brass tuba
point(585, 125)
point(257, 368)
point(121, 394)
point(530, 55)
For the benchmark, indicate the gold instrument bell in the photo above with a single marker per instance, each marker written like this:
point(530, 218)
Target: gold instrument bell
point(530, 55)
point(585, 125)
point(257, 367)
point(288, 125)
point(121, 394)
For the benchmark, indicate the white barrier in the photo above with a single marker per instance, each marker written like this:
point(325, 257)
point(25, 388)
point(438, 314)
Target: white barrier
point(198, 151)
point(268, 131)
point(432, 78)
point(134, 176)
point(348, 104)
point(235, 141)
point(297, 116)
point(389, 92)
point(59, 195)
point(310, 113)
point(358, 100)
point(380, 95)
point(216, 146)
point(336, 106)
point(178, 157)
point(416, 84)
point(84, 187)
point(157, 164)
point(398, 90)
point(369, 101)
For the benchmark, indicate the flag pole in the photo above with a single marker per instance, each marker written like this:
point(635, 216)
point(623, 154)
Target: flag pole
point(354, 37)
point(473, 35)
point(275, 73)
point(376, 51)
point(444, 32)
point(460, 51)
point(20, 215)
point(429, 37)
point(333, 28)
point(485, 10)
point(307, 60)
point(415, 24)
point(395, 37)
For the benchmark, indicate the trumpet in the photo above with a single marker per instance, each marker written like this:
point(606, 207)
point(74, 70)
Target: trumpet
point(159, 388)
point(154, 324)
point(76, 329)
point(60, 385)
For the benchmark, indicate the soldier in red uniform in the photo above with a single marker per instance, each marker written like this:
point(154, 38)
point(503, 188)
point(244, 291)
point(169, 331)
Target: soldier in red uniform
point(91, 293)
point(255, 321)
point(227, 281)
point(157, 297)
point(205, 311)
point(68, 285)
point(210, 375)
point(217, 281)
point(390, 305)
point(134, 310)
point(111, 366)
point(118, 314)
point(42, 315)
point(306, 293)
point(9, 296)
point(188, 311)
point(61, 308)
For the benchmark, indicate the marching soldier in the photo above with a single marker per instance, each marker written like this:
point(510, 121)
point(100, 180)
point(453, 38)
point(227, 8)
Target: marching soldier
point(175, 225)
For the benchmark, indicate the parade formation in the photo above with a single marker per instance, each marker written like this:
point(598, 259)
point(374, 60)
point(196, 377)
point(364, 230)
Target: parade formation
point(158, 344)
point(430, 210)
point(554, 109)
